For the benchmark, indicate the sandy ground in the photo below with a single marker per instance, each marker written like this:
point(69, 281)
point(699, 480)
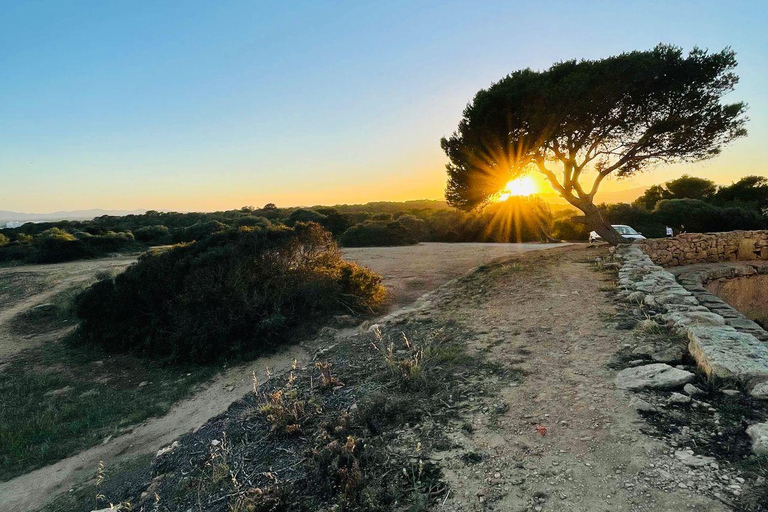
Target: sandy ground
point(413, 270)
point(52, 278)
point(549, 319)
point(408, 272)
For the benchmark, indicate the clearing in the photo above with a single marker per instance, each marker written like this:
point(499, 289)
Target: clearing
point(516, 410)
point(57, 401)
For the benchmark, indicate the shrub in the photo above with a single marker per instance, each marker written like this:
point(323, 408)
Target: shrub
point(252, 221)
point(232, 294)
point(570, 229)
point(416, 228)
point(198, 231)
point(4, 240)
point(373, 233)
point(305, 215)
point(153, 235)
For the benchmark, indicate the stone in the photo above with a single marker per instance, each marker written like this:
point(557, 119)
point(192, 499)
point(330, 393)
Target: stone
point(656, 376)
point(143, 383)
point(641, 405)
point(679, 398)
point(730, 392)
point(636, 297)
point(760, 391)
point(688, 458)
point(167, 449)
point(692, 390)
point(725, 353)
point(759, 435)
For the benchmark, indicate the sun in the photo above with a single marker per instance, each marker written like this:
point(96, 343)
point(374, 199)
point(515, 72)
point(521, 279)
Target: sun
point(523, 186)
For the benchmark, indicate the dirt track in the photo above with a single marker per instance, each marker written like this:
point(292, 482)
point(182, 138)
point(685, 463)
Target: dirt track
point(408, 272)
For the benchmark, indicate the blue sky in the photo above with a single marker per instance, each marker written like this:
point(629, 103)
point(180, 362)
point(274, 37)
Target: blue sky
point(195, 105)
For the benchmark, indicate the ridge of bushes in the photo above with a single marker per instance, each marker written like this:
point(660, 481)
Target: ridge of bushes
point(233, 294)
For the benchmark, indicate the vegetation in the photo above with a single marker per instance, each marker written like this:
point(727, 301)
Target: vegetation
point(741, 205)
point(56, 400)
point(615, 116)
point(235, 293)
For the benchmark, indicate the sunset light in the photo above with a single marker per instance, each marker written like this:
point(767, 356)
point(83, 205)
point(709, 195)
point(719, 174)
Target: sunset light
point(524, 186)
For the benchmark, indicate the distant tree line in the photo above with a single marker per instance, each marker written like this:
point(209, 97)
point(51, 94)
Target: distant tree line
point(372, 224)
point(687, 203)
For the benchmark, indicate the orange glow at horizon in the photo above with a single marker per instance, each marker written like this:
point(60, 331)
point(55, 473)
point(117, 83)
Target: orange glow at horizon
point(523, 186)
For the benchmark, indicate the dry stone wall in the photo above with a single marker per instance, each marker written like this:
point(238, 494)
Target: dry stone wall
point(689, 248)
point(719, 349)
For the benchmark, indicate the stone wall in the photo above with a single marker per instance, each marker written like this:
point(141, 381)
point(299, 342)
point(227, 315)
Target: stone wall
point(690, 248)
point(720, 351)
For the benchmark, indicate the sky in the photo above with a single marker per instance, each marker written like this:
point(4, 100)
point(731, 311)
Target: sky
point(199, 105)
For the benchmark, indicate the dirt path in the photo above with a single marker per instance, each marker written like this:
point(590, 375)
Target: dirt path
point(53, 278)
point(408, 272)
point(546, 316)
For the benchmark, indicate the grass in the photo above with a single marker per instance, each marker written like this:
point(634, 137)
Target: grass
point(19, 285)
point(99, 492)
point(56, 400)
point(58, 312)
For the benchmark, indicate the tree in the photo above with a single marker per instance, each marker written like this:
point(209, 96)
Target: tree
point(691, 187)
point(651, 196)
point(615, 116)
point(749, 190)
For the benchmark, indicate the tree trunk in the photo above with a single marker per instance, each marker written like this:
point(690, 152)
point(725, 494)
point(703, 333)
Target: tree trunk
point(596, 222)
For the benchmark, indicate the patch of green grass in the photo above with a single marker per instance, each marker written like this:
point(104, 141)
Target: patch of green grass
point(56, 400)
point(56, 313)
point(17, 285)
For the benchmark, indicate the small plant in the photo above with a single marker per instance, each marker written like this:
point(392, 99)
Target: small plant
point(408, 368)
point(326, 379)
point(285, 409)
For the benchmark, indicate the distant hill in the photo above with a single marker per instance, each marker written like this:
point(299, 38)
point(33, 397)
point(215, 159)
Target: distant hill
point(6, 216)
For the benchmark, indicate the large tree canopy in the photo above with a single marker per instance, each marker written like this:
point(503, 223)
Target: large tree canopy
point(615, 116)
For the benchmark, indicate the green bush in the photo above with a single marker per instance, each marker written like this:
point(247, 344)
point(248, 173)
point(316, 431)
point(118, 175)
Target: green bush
point(199, 230)
point(4, 240)
point(232, 294)
point(153, 235)
point(252, 221)
point(571, 229)
point(376, 233)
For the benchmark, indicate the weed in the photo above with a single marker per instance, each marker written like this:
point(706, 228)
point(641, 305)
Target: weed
point(406, 364)
point(285, 409)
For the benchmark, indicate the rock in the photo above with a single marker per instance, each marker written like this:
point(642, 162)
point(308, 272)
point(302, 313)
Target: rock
point(692, 390)
point(656, 376)
point(215, 442)
point(636, 297)
point(760, 391)
point(641, 405)
point(673, 354)
point(167, 449)
point(725, 353)
point(679, 398)
point(688, 458)
point(342, 321)
point(143, 383)
point(759, 435)
point(730, 392)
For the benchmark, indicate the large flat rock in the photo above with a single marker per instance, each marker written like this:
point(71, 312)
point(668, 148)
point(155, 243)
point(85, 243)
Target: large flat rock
point(656, 376)
point(726, 353)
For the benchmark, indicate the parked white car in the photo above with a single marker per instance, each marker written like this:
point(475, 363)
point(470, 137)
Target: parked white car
point(625, 231)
